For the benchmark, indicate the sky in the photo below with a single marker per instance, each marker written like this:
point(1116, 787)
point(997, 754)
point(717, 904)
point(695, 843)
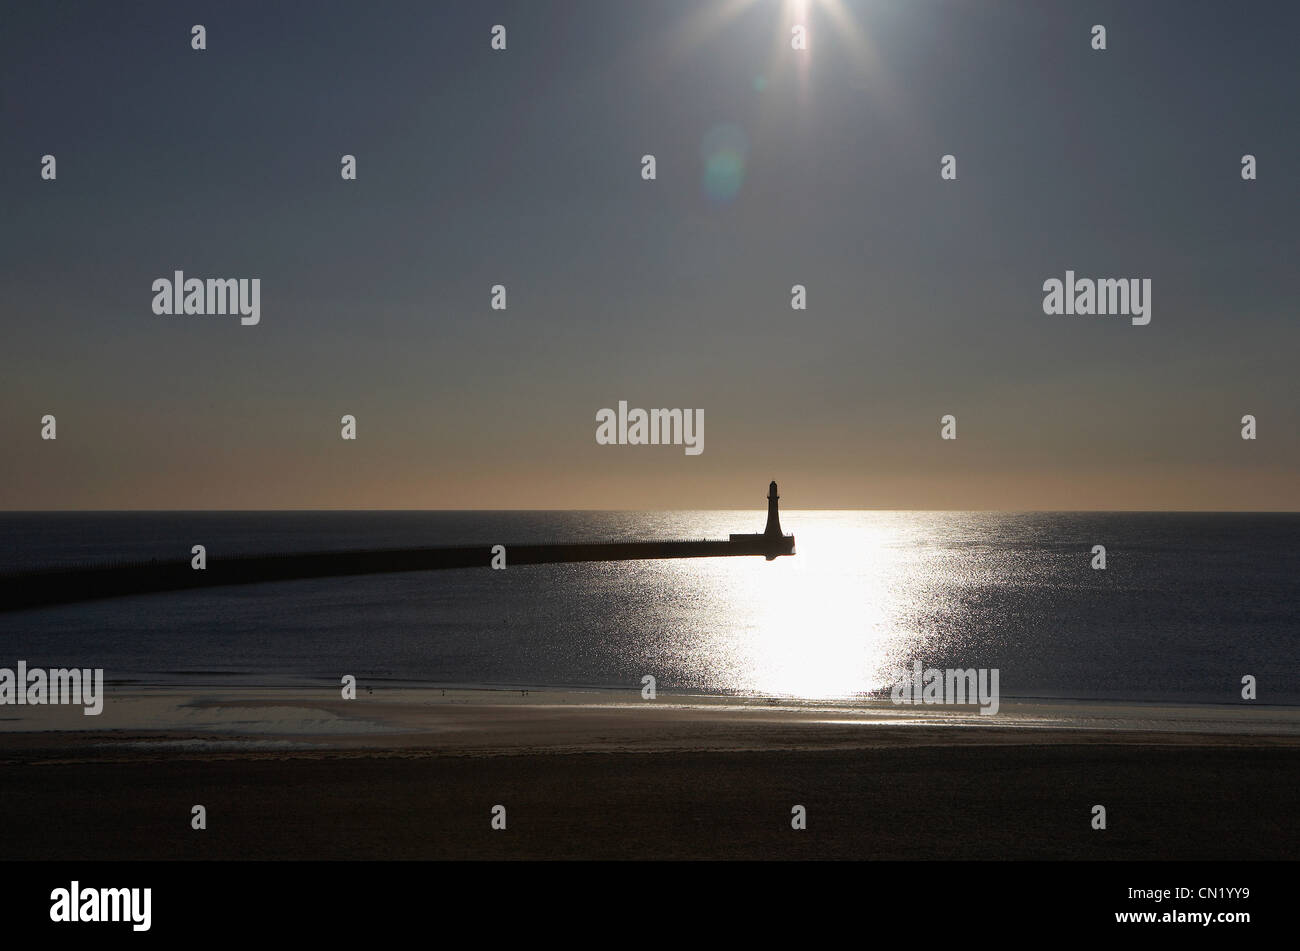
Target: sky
point(774, 167)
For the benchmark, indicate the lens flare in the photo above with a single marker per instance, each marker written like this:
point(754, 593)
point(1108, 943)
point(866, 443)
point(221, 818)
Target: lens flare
point(724, 150)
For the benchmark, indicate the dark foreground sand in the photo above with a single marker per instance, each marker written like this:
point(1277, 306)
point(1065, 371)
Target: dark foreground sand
point(416, 779)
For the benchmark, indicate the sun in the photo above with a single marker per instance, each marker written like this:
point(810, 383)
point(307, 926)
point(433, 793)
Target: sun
point(800, 27)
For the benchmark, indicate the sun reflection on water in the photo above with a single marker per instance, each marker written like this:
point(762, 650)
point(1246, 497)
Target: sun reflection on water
point(822, 624)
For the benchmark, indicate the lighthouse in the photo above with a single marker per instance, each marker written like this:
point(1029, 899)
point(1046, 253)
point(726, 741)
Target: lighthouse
point(771, 542)
point(773, 529)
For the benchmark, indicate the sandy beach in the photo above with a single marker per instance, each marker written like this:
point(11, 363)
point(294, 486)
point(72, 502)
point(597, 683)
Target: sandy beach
point(297, 773)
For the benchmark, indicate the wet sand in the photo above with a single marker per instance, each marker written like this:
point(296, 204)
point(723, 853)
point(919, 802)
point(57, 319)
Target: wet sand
point(414, 774)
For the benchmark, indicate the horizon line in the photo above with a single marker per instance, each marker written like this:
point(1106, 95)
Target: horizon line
point(1136, 511)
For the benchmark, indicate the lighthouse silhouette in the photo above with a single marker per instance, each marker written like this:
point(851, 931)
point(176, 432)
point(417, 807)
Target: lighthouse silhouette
point(773, 529)
point(770, 543)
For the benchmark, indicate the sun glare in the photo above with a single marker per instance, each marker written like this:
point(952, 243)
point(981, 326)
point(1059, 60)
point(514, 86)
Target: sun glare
point(801, 29)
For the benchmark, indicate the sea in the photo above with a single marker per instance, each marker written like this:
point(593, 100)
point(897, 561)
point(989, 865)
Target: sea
point(1187, 605)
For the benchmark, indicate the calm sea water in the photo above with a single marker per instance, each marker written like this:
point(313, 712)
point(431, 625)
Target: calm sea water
point(1188, 603)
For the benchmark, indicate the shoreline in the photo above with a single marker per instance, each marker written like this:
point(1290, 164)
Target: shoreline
point(434, 717)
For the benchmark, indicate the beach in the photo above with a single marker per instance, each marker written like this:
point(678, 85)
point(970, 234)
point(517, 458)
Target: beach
point(414, 773)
